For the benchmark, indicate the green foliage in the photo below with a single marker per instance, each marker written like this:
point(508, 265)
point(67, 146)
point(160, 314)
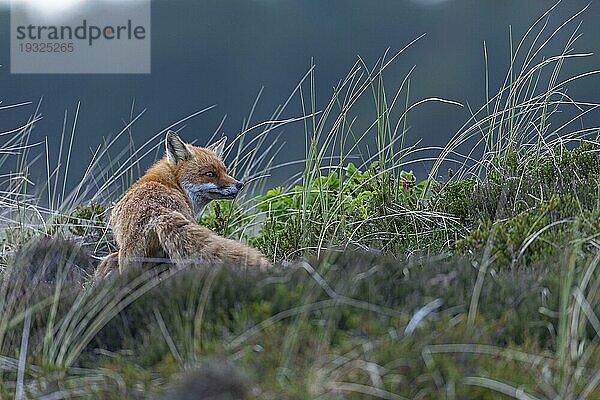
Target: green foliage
point(371, 209)
point(455, 198)
point(525, 208)
point(508, 239)
point(528, 207)
point(225, 218)
point(87, 219)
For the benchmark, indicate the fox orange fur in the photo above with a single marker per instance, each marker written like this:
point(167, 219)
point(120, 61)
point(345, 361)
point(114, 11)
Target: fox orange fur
point(156, 217)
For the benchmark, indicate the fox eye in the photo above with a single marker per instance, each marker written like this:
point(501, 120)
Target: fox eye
point(210, 174)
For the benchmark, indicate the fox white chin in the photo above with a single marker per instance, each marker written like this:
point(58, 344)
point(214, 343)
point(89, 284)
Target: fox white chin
point(200, 194)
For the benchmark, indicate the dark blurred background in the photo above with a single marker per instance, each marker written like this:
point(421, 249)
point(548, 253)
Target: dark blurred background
point(223, 52)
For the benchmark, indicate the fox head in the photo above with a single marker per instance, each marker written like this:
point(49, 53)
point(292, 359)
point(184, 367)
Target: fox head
point(200, 171)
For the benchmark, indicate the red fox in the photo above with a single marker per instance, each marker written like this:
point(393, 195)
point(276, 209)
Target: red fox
point(156, 217)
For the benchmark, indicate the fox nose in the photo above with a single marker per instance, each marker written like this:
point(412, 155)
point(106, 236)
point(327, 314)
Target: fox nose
point(239, 185)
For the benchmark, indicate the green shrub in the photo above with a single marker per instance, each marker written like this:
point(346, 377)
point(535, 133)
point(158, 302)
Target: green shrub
point(527, 208)
point(225, 218)
point(364, 210)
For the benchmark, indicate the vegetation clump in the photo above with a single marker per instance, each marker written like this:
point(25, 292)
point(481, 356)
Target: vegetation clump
point(366, 210)
point(542, 205)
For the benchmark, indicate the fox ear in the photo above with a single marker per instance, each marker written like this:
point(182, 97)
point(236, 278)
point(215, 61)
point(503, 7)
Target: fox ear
point(218, 147)
point(176, 148)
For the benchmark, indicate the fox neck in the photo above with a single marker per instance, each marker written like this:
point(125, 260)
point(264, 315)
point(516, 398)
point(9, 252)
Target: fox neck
point(164, 173)
point(197, 201)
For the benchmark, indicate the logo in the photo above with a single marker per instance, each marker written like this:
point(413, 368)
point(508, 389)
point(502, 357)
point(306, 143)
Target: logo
point(105, 38)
